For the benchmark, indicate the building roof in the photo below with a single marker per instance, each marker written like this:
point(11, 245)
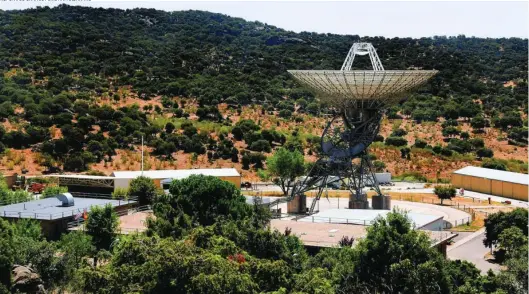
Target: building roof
point(365, 217)
point(76, 176)
point(330, 234)
point(177, 174)
point(52, 209)
point(493, 174)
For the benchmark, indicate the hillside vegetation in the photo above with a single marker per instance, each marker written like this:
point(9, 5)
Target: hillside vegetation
point(81, 86)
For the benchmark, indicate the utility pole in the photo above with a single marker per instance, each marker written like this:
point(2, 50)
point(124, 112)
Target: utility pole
point(142, 155)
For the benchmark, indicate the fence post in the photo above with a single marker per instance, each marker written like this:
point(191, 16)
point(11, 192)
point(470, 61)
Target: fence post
point(313, 219)
point(329, 220)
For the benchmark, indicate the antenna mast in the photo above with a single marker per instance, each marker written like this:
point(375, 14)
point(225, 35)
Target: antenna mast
point(362, 49)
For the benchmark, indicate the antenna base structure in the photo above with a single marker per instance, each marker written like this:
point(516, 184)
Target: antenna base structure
point(358, 100)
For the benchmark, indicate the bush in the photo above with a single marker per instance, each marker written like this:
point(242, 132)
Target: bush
point(398, 133)
point(378, 138)
point(261, 146)
point(51, 191)
point(396, 141)
point(419, 143)
point(379, 166)
point(446, 152)
point(477, 143)
point(484, 152)
point(120, 193)
point(494, 164)
point(285, 113)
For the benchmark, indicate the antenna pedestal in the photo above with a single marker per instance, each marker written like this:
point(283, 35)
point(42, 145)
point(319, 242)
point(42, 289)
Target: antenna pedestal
point(359, 98)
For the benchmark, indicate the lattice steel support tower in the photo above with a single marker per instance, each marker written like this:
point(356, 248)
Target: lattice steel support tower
point(358, 99)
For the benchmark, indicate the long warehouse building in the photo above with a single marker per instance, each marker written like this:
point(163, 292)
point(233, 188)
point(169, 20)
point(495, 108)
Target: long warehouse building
point(493, 182)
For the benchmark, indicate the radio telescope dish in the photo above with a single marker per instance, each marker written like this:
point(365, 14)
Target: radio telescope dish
point(369, 89)
point(359, 99)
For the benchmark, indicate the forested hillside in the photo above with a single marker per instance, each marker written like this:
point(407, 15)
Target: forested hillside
point(80, 84)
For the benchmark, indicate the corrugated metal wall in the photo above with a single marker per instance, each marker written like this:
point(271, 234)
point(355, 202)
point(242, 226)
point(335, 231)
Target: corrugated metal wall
point(493, 187)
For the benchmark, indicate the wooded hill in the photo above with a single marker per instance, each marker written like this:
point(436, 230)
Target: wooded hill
point(56, 60)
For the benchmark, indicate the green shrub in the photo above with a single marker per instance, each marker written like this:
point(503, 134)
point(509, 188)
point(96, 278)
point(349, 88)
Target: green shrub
point(396, 141)
point(51, 191)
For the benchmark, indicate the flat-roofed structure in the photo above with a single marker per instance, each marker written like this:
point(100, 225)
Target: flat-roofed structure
point(325, 235)
point(491, 181)
point(122, 178)
point(53, 215)
point(366, 217)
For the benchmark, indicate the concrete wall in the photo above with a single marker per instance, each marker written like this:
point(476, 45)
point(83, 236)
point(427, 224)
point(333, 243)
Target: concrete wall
point(121, 183)
point(436, 225)
point(234, 180)
point(493, 187)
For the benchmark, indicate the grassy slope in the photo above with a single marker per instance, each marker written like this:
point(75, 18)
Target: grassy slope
point(421, 160)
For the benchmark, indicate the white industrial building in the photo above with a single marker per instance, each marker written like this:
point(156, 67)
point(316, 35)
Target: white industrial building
point(122, 178)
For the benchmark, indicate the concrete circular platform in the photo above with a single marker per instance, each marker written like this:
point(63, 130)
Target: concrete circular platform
point(449, 214)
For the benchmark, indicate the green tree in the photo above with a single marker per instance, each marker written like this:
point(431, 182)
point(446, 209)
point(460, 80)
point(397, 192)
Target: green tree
point(419, 143)
point(478, 123)
point(102, 225)
point(444, 192)
point(198, 200)
point(143, 188)
point(285, 166)
point(52, 191)
point(496, 223)
point(396, 141)
point(314, 280)
point(512, 239)
point(75, 247)
point(514, 279)
point(169, 127)
point(379, 166)
point(7, 252)
point(392, 258)
point(484, 152)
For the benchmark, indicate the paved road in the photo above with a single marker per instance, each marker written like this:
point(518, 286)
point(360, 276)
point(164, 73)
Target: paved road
point(473, 251)
point(477, 195)
point(419, 188)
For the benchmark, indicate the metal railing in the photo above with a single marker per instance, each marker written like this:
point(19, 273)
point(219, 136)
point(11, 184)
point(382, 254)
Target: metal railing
point(57, 215)
point(321, 219)
point(80, 221)
point(443, 235)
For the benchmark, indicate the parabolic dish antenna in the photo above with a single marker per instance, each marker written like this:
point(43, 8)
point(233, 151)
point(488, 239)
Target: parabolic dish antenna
point(358, 98)
point(371, 89)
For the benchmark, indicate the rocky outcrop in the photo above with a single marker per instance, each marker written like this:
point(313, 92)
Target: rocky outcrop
point(26, 280)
